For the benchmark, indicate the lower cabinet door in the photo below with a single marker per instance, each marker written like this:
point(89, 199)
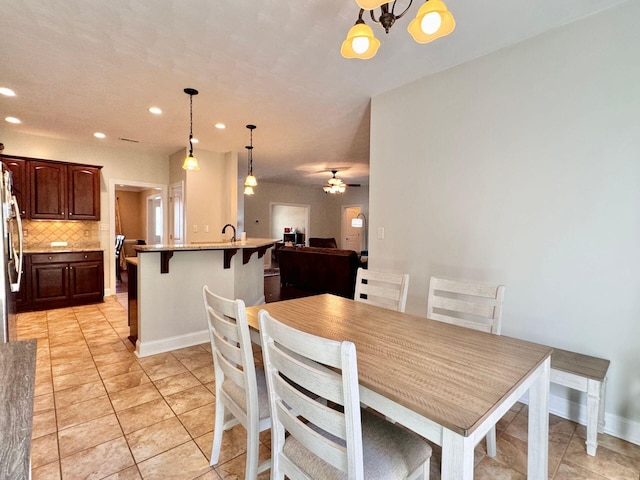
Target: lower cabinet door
point(49, 283)
point(86, 281)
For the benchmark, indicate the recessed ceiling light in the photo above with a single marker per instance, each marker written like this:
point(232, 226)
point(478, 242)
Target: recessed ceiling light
point(155, 110)
point(12, 120)
point(194, 140)
point(221, 126)
point(99, 135)
point(7, 92)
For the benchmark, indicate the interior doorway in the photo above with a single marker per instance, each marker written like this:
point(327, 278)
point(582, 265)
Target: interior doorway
point(284, 215)
point(352, 237)
point(176, 213)
point(133, 221)
point(154, 219)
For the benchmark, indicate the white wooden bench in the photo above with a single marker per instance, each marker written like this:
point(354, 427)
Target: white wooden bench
point(585, 374)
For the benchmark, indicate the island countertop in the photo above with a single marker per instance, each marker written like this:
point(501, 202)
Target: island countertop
point(246, 244)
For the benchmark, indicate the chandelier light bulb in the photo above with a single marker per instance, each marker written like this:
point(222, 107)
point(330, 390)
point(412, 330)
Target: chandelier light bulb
point(360, 45)
point(431, 23)
point(248, 190)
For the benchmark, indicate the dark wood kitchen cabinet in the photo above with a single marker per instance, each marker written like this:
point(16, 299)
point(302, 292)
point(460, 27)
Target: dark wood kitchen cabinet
point(18, 168)
point(62, 191)
point(56, 280)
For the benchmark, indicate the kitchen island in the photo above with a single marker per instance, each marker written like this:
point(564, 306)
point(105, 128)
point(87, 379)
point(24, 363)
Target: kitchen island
point(170, 312)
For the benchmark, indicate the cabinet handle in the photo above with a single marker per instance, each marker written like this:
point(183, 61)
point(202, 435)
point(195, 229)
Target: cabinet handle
point(86, 256)
point(50, 258)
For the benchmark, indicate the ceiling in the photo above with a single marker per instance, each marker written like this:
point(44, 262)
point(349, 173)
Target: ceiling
point(81, 66)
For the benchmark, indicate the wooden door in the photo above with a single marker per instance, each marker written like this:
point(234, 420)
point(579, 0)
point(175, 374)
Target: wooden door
point(351, 236)
point(48, 190)
point(83, 187)
point(18, 167)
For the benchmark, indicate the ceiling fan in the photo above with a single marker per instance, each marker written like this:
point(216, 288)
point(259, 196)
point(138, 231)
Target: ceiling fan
point(336, 185)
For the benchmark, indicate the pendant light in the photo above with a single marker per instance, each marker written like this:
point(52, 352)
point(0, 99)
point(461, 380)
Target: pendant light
point(190, 162)
point(250, 181)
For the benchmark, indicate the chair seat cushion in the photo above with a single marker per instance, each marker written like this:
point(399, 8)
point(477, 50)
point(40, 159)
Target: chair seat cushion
point(238, 394)
point(389, 451)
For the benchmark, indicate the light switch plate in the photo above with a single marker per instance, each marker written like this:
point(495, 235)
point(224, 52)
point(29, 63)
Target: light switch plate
point(380, 233)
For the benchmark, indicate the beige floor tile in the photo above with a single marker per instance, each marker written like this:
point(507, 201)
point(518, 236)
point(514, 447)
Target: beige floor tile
point(186, 400)
point(210, 475)
point(490, 469)
point(134, 396)
point(130, 473)
point(569, 471)
point(125, 381)
point(44, 450)
point(109, 347)
point(150, 441)
point(235, 469)
point(113, 369)
point(176, 383)
point(606, 462)
point(83, 412)
point(157, 359)
point(43, 403)
point(205, 374)
point(199, 420)
point(112, 357)
point(98, 462)
point(80, 393)
point(88, 434)
point(163, 370)
point(44, 423)
point(72, 366)
point(183, 462)
point(234, 443)
point(140, 416)
point(76, 378)
point(51, 471)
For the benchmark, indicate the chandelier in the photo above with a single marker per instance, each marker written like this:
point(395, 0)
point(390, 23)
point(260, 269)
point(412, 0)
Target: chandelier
point(190, 162)
point(250, 181)
point(335, 185)
point(432, 21)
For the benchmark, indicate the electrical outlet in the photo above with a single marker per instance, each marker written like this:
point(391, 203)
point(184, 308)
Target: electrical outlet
point(195, 229)
point(206, 228)
point(25, 233)
point(86, 233)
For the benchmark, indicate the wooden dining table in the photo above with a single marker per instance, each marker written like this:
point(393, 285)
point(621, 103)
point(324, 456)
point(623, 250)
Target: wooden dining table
point(447, 383)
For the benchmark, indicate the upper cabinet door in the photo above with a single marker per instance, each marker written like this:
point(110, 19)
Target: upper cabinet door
point(83, 192)
point(48, 190)
point(18, 168)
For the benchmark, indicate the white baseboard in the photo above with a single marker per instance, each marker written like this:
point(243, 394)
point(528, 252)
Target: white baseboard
point(615, 426)
point(144, 349)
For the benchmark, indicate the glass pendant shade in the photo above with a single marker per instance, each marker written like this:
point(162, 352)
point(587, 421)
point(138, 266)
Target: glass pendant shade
point(370, 4)
point(250, 181)
point(248, 190)
point(426, 26)
point(190, 163)
point(360, 43)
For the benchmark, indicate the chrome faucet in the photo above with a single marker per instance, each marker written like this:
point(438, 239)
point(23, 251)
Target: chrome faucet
point(233, 238)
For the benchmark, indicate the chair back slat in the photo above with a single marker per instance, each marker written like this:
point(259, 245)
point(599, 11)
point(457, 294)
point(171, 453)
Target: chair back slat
point(230, 370)
point(466, 304)
point(387, 290)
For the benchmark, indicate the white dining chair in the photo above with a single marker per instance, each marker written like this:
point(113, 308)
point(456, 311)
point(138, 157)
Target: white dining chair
point(335, 440)
point(241, 389)
point(382, 289)
point(471, 305)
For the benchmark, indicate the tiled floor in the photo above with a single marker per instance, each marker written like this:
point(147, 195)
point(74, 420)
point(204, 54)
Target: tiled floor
point(100, 412)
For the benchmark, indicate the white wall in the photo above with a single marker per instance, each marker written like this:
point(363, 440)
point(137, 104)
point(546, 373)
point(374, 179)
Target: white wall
point(524, 169)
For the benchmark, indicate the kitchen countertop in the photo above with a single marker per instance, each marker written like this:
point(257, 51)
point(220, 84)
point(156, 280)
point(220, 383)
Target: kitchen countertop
point(17, 377)
point(61, 249)
point(248, 243)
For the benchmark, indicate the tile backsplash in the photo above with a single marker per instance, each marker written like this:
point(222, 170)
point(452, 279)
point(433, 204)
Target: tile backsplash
point(40, 234)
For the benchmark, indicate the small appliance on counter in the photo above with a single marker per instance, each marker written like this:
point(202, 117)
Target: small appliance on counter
point(11, 241)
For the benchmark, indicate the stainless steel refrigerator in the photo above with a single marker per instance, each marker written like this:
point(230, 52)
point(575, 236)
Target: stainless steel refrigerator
point(11, 258)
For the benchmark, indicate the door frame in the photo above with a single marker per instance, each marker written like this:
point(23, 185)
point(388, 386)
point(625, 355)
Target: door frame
point(343, 233)
point(111, 227)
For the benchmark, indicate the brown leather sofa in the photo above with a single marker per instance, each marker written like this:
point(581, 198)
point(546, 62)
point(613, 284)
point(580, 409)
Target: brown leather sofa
point(320, 270)
point(323, 242)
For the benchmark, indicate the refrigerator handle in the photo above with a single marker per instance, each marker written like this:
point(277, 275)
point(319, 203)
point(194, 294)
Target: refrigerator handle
point(16, 286)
